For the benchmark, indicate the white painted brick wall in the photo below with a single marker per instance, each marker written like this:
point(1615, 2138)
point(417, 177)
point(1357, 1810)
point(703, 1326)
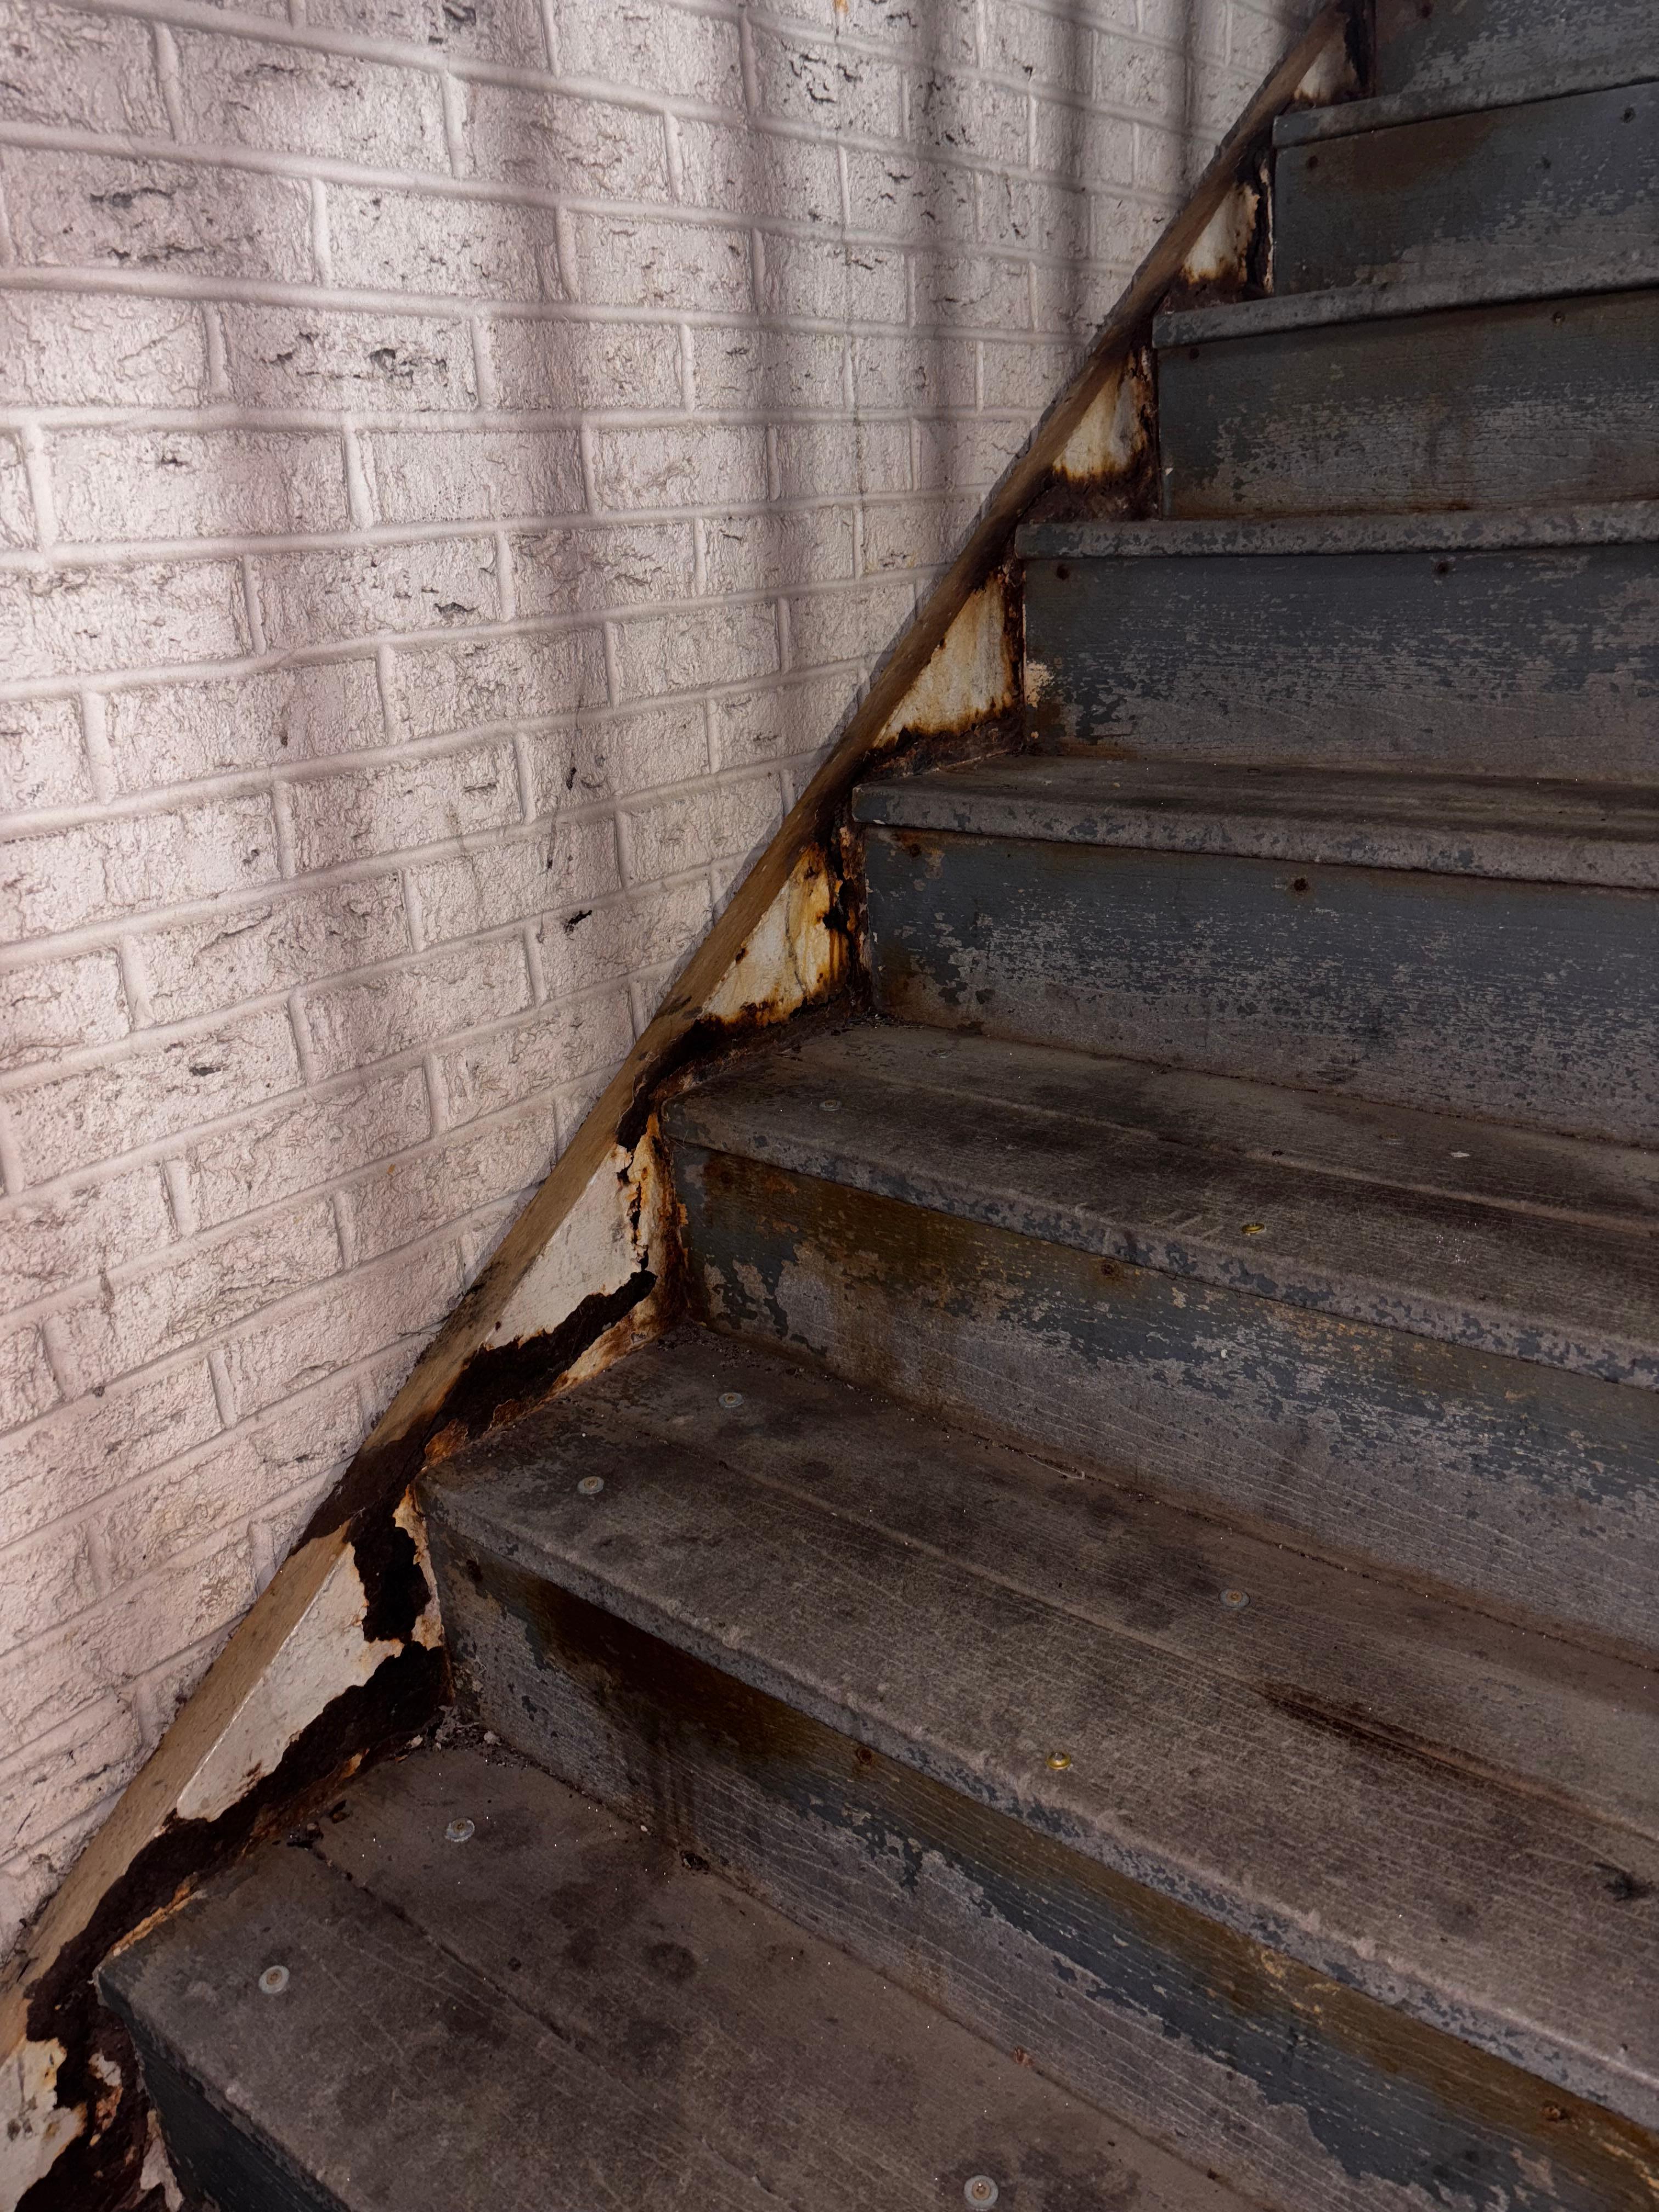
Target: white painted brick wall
point(458, 465)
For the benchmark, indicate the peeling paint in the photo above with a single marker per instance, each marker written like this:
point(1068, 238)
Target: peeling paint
point(971, 675)
point(1113, 435)
point(1220, 254)
point(34, 2126)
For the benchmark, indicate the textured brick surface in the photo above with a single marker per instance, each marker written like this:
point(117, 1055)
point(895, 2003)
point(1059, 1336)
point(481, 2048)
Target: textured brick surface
point(458, 465)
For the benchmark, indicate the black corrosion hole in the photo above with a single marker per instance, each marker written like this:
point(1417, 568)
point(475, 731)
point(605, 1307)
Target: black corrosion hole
point(1063, 571)
point(1192, 353)
point(1299, 884)
point(1313, 161)
point(1442, 567)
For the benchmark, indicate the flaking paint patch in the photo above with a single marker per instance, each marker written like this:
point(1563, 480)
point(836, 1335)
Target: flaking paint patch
point(971, 675)
point(1220, 252)
point(327, 1653)
point(794, 958)
point(34, 2126)
point(1112, 434)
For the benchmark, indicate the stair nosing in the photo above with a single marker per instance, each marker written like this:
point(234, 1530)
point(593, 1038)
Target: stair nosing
point(1629, 522)
point(1395, 298)
point(1302, 126)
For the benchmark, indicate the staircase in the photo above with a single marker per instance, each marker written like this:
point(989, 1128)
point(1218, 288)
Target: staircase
point(1111, 1659)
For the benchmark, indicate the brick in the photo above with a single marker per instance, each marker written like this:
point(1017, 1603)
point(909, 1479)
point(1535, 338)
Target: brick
point(690, 465)
point(746, 552)
point(900, 195)
point(488, 30)
point(973, 290)
point(48, 1243)
point(1083, 146)
point(415, 243)
point(120, 863)
point(725, 821)
point(58, 1006)
point(139, 1629)
point(193, 1294)
point(306, 357)
point(396, 1205)
point(43, 1580)
point(1074, 301)
point(542, 142)
point(99, 1113)
point(712, 644)
point(589, 946)
point(914, 533)
point(857, 282)
point(178, 1507)
point(428, 476)
point(42, 761)
point(90, 72)
point(528, 1060)
point(377, 591)
point(294, 100)
point(763, 371)
point(17, 528)
point(726, 166)
point(969, 450)
point(782, 722)
point(71, 1773)
point(59, 1465)
point(592, 570)
point(899, 374)
point(1192, 28)
point(815, 459)
point(1026, 374)
point(560, 867)
point(248, 951)
point(848, 625)
point(78, 210)
point(107, 619)
point(500, 679)
point(834, 88)
point(1055, 49)
point(183, 483)
point(654, 45)
point(29, 1878)
point(368, 812)
point(172, 732)
point(27, 1384)
point(946, 28)
point(561, 365)
point(615, 757)
point(1022, 214)
point(647, 261)
point(439, 995)
point(359, 1313)
point(951, 112)
point(1141, 77)
point(304, 1141)
point(84, 349)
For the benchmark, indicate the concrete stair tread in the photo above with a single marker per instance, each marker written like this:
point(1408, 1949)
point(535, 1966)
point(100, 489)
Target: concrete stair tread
point(1532, 829)
point(558, 2014)
point(1538, 1247)
point(972, 1614)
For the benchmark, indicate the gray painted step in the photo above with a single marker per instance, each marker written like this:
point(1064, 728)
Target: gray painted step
point(1539, 661)
point(1535, 1003)
point(1527, 403)
point(1344, 1321)
point(1571, 185)
point(559, 2013)
point(897, 1678)
point(1558, 832)
point(1458, 47)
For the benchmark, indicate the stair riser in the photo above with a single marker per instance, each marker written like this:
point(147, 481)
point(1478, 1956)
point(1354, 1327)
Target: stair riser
point(1556, 183)
point(1530, 1003)
point(1466, 46)
point(1461, 1467)
point(1540, 403)
point(1540, 663)
point(1296, 2088)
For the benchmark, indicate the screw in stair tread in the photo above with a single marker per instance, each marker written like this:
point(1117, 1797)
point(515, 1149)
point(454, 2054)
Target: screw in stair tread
point(955, 1608)
point(561, 2013)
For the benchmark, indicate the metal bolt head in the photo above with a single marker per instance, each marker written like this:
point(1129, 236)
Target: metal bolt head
point(1235, 1599)
point(1060, 1760)
point(980, 2189)
point(1255, 1228)
point(274, 1981)
point(458, 1832)
point(829, 1105)
point(590, 1486)
point(730, 1398)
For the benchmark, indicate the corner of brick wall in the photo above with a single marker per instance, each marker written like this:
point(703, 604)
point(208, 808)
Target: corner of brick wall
point(457, 466)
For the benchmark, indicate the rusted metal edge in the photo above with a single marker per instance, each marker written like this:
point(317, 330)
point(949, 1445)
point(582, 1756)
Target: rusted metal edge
point(1623, 522)
point(64, 2063)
